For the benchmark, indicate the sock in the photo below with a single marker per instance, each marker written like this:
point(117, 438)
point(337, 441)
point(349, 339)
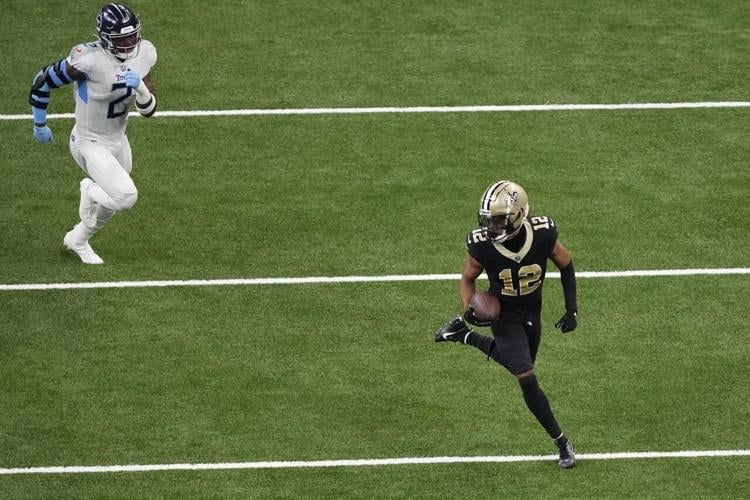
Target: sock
point(481, 342)
point(83, 232)
point(539, 405)
point(560, 441)
point(103, 214)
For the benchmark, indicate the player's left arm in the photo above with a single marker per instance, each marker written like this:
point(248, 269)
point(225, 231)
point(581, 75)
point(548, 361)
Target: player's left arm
point(149, 83)
point(564, 262)
point(145, 99)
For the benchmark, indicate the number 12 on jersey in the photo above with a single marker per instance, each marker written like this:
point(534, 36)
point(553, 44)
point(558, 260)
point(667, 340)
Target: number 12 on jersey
point(541, 222)
point(529, 279)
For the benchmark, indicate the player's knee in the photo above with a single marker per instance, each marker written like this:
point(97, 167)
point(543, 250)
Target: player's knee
point(526, 376)
point(126, 200)
point(529, 385)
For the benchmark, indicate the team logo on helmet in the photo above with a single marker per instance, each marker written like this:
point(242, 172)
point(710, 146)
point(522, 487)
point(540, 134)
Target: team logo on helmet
point(512, 198)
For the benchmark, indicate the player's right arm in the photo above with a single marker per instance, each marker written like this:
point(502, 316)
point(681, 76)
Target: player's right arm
point(467, 288)
point(50, 77)
point(471, 271)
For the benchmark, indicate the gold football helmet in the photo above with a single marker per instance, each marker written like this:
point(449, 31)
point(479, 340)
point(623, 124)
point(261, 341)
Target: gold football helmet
point(502, 210)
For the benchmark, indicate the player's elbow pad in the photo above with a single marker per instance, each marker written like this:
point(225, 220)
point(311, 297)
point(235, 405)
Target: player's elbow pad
point(148, 108)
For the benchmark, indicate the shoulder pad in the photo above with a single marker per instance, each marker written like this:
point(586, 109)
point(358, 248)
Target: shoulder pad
point(539, 222)
point(544, 227)
point(82, 49)
point(79, 55)
point(148, 51)
point(476, 237)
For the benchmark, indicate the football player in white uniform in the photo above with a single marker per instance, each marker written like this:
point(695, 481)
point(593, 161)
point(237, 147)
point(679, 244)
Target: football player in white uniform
point(107, 76)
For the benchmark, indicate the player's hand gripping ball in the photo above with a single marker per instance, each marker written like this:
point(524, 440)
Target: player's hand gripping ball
point(484, 309)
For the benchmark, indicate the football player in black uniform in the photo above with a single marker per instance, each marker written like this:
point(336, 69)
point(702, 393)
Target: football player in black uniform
point(513, 248)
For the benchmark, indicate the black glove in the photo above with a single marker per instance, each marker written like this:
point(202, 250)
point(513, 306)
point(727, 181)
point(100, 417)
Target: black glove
point(470, 318)
point(568, 322)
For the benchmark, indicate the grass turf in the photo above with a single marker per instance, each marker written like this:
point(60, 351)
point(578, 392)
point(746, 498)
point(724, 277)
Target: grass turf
point(350, 371)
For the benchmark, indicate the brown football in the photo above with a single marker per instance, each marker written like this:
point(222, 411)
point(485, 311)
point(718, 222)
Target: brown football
point(486, 306)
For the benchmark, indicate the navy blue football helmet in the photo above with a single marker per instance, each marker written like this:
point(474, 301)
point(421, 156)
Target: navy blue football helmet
point(119, 30)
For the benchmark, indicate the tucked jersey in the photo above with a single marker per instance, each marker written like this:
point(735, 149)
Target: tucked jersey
point(516, 268)
point(103, 99)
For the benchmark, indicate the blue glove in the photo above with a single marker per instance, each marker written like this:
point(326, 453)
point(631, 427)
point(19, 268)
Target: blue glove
point(42, 134)
point(132, 78)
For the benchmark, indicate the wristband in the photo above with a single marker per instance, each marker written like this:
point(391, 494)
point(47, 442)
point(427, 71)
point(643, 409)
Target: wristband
point(146, 109)
point(142, 92)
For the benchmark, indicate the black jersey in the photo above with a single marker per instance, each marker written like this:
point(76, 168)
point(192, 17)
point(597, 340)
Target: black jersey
point(516, 268)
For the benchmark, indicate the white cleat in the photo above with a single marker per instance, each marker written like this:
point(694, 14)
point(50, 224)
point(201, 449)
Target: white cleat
point(83, 250)
point(87, 206)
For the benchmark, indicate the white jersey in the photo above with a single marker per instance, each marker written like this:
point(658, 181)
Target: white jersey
point(102, 99)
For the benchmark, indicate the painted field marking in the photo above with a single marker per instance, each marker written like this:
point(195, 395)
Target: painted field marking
point(366, 462)
point(350, 279)
point(501, 108)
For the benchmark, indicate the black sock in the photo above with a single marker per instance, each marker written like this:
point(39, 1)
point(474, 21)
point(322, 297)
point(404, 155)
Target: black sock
point(539, 405)
point(561, 441)
point(481, 342)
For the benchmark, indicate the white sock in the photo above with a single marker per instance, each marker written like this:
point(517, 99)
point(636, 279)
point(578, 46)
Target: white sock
point(81, 233)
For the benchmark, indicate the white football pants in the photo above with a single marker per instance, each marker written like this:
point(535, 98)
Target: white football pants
point(109, 168)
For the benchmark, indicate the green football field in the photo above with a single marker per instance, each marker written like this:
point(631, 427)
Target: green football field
point(265, 380)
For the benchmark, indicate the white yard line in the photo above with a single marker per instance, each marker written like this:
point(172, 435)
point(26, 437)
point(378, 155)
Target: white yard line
point(426, 109)
point(366, 462)
point(351, 279)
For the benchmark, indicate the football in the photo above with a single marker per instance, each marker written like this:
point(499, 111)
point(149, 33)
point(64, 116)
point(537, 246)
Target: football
point(486, 306)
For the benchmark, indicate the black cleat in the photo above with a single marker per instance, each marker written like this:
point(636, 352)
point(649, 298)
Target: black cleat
point(455, 330)
point(567, 455)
